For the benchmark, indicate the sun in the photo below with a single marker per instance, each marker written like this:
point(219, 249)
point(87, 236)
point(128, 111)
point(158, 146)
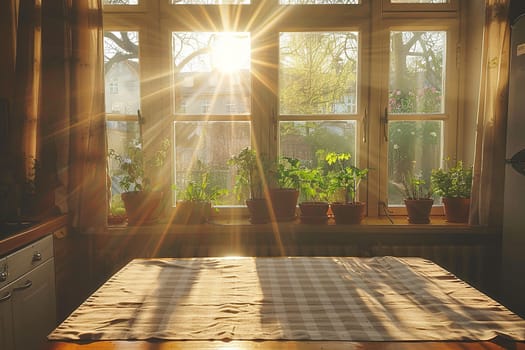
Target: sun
point(231, 52)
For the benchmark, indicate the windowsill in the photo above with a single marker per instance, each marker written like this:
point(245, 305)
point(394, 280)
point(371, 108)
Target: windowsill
point(370, 225)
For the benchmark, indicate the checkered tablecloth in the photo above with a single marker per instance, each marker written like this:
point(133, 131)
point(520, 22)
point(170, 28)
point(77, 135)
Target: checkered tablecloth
point(297, 298)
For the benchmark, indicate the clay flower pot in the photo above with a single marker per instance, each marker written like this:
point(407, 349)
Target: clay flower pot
point(314, 212)
point(143, 207)
point(284, 203)
point(457, 209)
point(418, 210)
point(348, 213)
point(258, 208)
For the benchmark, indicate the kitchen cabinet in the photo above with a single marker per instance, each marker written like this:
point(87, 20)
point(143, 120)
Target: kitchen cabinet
point(27, 296)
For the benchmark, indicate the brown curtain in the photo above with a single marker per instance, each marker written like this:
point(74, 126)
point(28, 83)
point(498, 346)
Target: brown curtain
point(59, 106)
point(489, 164)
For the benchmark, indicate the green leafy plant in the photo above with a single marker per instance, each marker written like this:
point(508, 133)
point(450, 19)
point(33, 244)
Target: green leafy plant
point(452, 182)
point(248, 180)
point(414, 187)
point(344, 175)
point(288, 169)
point(201, 190)
point(132, 164)
point(312, 184)
point(116, 207)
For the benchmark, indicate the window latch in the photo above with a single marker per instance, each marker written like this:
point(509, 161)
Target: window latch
point(384, 120)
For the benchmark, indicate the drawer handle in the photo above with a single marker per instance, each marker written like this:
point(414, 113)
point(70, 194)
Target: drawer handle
point(5, 297)
point(3, 276)
point(37, 256)
point(25, 286)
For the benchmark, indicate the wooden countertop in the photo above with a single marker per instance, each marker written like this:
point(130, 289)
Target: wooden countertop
point(31, 234)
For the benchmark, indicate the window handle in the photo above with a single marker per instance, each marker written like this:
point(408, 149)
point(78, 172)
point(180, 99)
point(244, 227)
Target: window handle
point(384, 120)
point(275, 125)
point(365, 126)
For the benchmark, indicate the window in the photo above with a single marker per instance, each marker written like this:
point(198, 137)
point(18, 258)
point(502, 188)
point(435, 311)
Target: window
point(290, 80)
point(121, 69)
point(416, 106)
point(314, 86)
point(218, 66)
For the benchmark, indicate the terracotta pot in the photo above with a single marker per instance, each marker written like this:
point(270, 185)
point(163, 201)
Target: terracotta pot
point(284, 203)
point(314, 212)
point(116, 219)
point(348, 213)
point(418, 210)
point(258, 208)
point(191, 212)
point(143, 207)
point(457, 209)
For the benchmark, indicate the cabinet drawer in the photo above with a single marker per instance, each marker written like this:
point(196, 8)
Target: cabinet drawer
point(29, 257)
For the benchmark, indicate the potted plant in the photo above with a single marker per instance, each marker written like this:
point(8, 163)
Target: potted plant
point(284, 198)
point(454, 184)
point(313, 193)
point(345, 177)
point(142, 203)
point(195, 203)
point(249, 184)
point(117, 211)
point(418, 199)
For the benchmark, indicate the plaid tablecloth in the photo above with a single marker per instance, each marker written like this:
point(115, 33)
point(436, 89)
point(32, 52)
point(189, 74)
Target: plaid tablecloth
point(299, 298)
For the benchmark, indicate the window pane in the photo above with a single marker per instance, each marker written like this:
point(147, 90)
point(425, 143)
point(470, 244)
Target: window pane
point(414, 147)
point(211, 73)
point(419, 1)
point(308, 141)
point(319, 2)
point(121, 2)
point(207, 146)
point(318, 73)
point(121, 134)
point(121, 72)
point(209, 2)
point(417, 66)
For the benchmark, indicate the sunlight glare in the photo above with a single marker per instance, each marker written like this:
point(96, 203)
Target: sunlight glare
point(231, 52)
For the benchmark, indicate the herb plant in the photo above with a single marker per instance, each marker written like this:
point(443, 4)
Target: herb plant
point(344, 175)
point(133, 163)
point(248, 180)
point(415, 188)
point(452, 182)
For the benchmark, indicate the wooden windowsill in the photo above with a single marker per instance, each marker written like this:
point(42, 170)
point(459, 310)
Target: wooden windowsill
point(370, 225)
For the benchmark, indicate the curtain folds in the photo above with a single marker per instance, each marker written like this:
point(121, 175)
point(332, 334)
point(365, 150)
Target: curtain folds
point(487, 194)
point(60, 97)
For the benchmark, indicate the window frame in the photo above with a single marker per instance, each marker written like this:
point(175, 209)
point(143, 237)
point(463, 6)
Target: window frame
point(158, 19)
point(143, 5)
point(450, 6)
point(450, 112)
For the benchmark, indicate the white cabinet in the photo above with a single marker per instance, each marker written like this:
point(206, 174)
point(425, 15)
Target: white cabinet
point(27, 296)
point(6, 311)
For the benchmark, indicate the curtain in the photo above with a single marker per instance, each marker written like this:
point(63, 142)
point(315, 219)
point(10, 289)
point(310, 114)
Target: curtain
point(489, 165)
point(59, 106)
